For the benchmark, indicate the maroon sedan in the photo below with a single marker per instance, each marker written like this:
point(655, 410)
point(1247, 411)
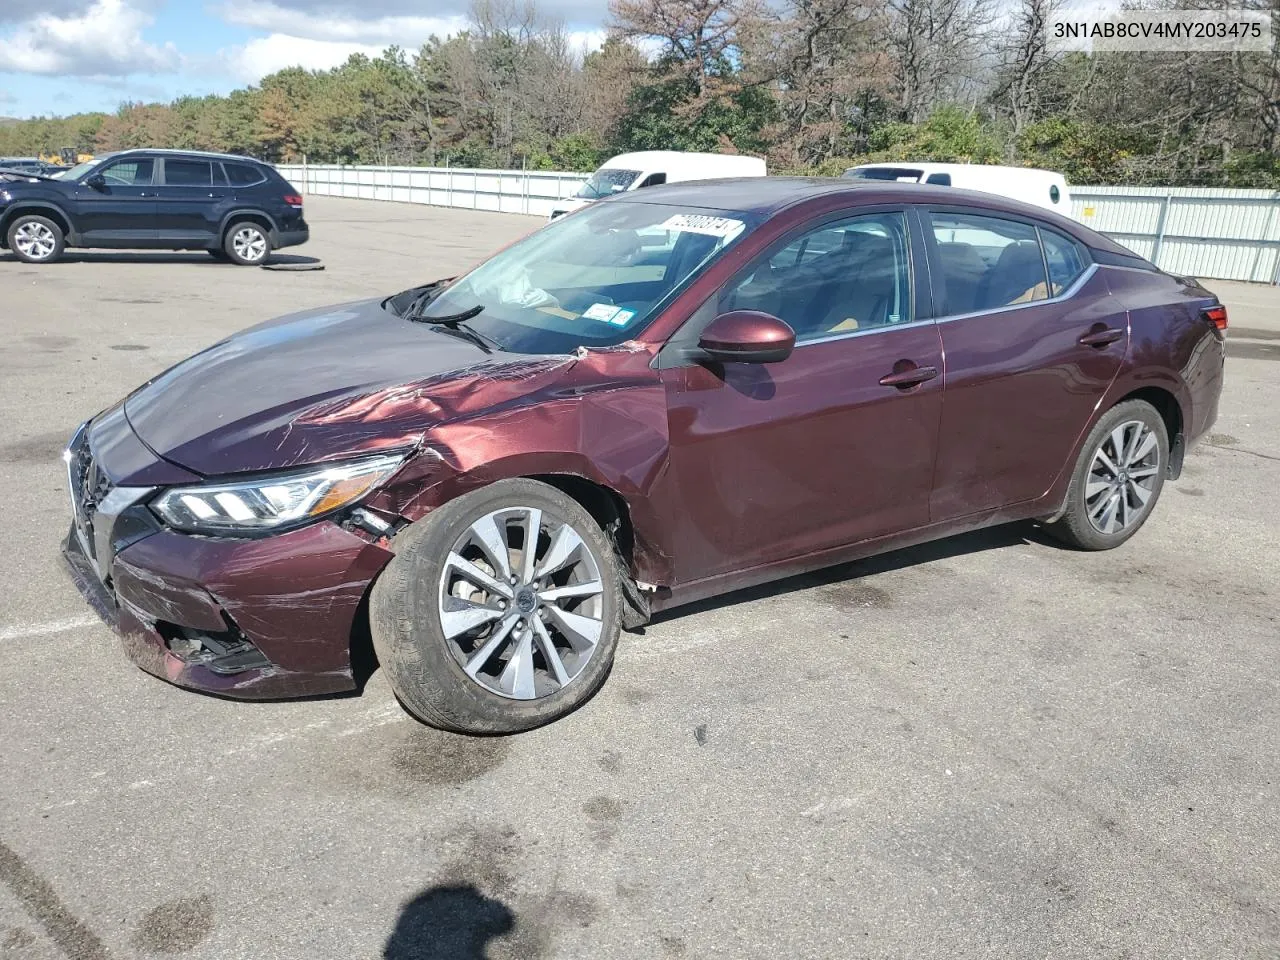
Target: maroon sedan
point(667, 395)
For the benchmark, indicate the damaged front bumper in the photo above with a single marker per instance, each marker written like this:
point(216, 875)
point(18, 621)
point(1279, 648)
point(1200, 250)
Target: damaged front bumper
point(262, 636)
point(260, 618)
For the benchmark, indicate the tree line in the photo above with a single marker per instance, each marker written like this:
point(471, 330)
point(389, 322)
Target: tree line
point(812, 85)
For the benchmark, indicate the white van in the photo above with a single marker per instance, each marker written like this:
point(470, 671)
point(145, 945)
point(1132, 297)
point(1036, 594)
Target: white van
point(631, 171)
point(1044, 188)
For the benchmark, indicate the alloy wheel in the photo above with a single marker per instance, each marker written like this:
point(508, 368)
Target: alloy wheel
point(1122, 477)
point(521, 603)
point(35, 240)
point(249, 243)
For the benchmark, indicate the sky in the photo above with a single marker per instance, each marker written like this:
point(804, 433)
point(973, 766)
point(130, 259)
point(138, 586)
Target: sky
point(71, 56)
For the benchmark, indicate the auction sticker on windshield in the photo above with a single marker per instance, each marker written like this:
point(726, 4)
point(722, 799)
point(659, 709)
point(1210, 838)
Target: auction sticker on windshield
point(601, 311)
point(723, 227)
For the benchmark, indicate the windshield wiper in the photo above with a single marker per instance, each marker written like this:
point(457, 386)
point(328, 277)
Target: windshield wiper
point(416, 315)
point(456, 323)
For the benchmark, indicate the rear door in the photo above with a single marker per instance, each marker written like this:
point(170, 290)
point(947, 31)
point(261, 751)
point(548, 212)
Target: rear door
point(189, 198)
point(1033, 338)
point(121, 212)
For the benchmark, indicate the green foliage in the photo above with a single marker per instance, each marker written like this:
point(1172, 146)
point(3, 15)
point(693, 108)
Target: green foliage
point(949, 135)
point(1257, 170)
point(577, 151)
point(1084, 152)
point(667, 115)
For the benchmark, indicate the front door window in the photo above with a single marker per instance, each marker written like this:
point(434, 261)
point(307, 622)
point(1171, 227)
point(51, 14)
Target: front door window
point(129, 173)
point(842, 277)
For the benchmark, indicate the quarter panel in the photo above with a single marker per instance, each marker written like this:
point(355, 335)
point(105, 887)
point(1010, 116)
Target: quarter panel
point(1172, 346)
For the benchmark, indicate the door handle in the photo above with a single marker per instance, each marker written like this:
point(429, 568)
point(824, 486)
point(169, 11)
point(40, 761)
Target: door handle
point(1101, 338)
point(911, 376)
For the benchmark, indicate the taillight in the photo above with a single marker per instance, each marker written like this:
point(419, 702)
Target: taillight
point(293, 200)
point(1217, 316)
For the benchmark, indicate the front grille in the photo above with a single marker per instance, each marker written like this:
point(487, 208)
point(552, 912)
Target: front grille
point(89, 487)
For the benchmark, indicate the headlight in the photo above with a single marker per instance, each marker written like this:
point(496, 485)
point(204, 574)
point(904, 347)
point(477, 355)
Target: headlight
point(271, 502)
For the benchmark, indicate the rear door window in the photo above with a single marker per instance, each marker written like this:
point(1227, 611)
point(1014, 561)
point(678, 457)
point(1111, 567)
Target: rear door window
point(987, 263)
point(188, 173)
point(243, 174)
point(1064, 258)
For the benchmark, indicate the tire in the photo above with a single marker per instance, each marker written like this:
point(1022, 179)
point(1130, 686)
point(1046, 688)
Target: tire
point(1104, 505)
point(427, 662)
point(36, 239)
point(247, 243)
point(220, 255)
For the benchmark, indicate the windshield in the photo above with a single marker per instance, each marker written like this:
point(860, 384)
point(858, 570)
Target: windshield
point(884, 173)
point(79, 170)
point(606, 182)
point(592, 279)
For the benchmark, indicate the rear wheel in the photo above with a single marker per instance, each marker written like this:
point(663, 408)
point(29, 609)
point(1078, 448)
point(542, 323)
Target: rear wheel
point(247, 243)
point(1118, 478)
point(500, 611)
point(36, 239)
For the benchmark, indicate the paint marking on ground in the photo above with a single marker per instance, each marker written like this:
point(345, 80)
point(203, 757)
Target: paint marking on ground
point(23, 630)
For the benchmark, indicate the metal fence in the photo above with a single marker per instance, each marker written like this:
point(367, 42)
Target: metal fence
point(1198, 231)
point(534, 192)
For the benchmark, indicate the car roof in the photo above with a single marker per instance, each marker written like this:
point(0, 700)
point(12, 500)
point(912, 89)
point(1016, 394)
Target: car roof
point(757, 195)
point(975, 168)
point(767, 196)
point(202, 154)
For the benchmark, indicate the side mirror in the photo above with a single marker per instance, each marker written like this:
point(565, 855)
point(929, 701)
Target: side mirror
point(747, 336)
point(97, 181)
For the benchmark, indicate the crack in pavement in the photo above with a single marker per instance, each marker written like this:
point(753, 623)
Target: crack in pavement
point(41, 901)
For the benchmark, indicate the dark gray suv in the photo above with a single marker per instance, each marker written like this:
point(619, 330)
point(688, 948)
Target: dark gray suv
point(236, 208)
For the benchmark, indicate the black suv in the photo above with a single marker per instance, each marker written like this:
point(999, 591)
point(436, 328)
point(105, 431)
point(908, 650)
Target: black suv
point(236, 208)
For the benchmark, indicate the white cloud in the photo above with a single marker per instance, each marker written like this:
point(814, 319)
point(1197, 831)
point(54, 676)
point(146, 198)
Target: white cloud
point(7, 97)
point(326, 37)
point(10, 12)
point(587, 40)
point(264, 55)
point(105, 39)
point(576, 13)
point(336, 25)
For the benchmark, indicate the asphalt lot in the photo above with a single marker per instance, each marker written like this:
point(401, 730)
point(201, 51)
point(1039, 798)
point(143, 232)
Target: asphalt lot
point(984, 747)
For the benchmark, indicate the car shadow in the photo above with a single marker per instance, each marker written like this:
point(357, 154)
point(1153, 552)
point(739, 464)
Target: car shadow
point(448, 922)
point(989, 538)
point(149, 258)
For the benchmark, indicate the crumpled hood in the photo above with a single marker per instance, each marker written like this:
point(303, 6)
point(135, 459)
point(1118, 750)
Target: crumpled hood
point(322, 385)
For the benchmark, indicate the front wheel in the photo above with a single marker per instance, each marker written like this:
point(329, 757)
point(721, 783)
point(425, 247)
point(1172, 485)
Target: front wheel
point(35, 239)
point(247, 244)
point(500, 611)
point(1117, 479)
